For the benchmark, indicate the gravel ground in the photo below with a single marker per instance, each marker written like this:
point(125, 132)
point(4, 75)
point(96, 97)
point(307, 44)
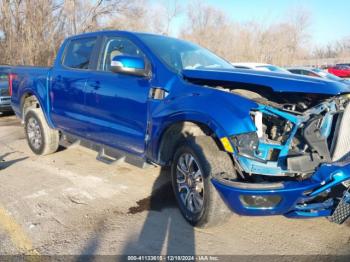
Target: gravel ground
point(69, 203)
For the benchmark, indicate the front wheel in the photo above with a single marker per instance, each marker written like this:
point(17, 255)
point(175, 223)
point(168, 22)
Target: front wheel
point(195, 161)
point(41, 139)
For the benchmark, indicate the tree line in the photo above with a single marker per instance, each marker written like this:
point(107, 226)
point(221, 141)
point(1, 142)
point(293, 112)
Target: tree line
point(31, 31)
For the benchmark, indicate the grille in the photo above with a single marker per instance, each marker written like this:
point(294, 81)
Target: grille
point(4, 92)
point(341, 213)
point(342, 144)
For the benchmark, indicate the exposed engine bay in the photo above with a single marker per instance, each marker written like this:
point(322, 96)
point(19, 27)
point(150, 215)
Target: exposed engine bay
point(296, 132)
point(293, 155)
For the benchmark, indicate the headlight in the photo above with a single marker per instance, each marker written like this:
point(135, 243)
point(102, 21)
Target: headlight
point(246, 144)
point(271, 126)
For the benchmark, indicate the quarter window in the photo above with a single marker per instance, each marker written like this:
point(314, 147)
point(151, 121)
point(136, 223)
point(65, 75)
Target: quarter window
point(79, 53)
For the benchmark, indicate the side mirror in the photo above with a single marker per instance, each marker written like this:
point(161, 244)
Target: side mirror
point(131, 65)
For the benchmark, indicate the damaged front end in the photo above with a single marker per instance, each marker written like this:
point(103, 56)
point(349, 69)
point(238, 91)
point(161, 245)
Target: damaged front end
point(296, 163)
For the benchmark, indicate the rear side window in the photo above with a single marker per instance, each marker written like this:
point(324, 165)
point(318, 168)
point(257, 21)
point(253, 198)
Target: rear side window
point(78, 53)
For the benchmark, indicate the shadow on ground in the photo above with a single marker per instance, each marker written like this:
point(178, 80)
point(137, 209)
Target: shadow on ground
point(5, 164)
point(164, 230)
point(91, 247)
point(7, 113)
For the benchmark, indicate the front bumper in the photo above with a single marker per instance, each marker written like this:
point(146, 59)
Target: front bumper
point(297, 198)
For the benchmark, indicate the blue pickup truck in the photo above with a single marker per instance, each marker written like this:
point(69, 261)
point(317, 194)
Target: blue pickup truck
point(255, 143)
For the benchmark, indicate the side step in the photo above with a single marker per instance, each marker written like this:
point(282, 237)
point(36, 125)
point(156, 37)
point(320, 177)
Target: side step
point(112, 156)
point(101, 156)
point(105, 154)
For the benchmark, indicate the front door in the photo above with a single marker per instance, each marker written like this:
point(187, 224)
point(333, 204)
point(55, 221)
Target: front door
point(118, 103)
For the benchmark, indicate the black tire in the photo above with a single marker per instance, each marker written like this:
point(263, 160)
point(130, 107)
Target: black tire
point(211, 161)
point(47, 140)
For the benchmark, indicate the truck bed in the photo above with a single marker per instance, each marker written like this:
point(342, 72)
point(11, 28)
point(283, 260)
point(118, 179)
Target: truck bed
point(29, 80)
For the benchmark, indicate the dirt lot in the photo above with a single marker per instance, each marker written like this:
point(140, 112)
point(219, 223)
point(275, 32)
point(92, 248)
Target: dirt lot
point(68, 203)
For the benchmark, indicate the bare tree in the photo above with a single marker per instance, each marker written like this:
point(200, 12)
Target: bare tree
point(172, 9)
point(209, 27)
point(32, 30)
point(278, 43)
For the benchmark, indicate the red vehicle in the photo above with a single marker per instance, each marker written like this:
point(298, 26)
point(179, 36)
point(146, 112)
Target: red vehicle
point(341, 70)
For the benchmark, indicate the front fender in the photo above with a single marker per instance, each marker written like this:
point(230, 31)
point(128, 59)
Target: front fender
point(224, 113)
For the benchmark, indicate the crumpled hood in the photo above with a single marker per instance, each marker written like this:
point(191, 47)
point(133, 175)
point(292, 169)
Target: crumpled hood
point(276, 81)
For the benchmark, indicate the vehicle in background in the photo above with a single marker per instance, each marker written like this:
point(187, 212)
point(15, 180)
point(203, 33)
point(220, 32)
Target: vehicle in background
point(341, 70)
point(260, 143)
point(5, 98)
point(317, 72)
point(260, 67)
point(344, 64)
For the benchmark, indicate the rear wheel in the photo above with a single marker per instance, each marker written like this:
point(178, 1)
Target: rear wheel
point(195, 161)
point(41, 139)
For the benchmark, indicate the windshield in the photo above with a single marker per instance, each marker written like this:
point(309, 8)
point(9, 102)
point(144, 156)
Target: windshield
point(179, 54)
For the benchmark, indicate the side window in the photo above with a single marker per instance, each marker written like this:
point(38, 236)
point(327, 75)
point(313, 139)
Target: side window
point(117, 46)
point(79, 52)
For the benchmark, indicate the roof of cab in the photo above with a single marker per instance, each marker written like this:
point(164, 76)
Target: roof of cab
point(111, 32)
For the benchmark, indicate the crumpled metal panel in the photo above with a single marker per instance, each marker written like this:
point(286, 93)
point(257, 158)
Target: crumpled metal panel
point(342, 147)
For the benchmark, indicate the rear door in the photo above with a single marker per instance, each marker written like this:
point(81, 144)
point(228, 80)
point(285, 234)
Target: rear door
point(118, 103)
point(68, 86)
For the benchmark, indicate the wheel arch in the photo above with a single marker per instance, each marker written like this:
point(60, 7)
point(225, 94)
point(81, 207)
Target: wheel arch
point(173, 133)
point(31, 100)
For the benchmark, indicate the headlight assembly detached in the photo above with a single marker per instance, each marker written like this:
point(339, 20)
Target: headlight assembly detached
point(246, 144)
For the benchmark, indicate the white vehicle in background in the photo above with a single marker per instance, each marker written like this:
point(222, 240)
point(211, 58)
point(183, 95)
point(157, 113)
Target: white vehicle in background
point(317, 72)
point(260, 67)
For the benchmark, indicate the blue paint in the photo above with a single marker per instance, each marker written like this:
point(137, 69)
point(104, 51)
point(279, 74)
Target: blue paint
point(116, 110)
point(129, 61)
point(293, 194)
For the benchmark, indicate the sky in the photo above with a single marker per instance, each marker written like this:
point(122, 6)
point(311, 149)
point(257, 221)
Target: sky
point(330, 20)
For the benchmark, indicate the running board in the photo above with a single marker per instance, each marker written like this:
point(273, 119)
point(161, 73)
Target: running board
point(107, 155)
point(101, 156)
point(111, 156)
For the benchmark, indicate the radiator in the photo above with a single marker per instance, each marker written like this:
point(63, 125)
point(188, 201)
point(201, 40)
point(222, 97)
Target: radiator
point(342, 144)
